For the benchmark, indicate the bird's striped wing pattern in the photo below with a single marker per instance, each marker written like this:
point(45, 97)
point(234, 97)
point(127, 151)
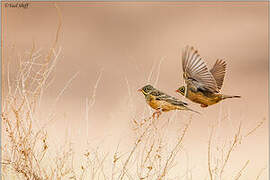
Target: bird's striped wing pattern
point(164, 97)
point(196, 72)
point(218, 71)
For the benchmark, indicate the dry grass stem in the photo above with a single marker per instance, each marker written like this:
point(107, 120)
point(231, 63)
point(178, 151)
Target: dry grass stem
point(174, 152)
point(241, 171)
point(233, 145)
point(137, 142)
point(256, 127)
point(260, 173)
point(209, 153)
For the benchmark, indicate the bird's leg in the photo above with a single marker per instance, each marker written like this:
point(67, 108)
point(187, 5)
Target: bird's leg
point(157, 114)
point(204, 105)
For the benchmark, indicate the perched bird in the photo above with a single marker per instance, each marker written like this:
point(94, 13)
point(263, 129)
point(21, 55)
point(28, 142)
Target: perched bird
point(161, 101)
point(202, 85)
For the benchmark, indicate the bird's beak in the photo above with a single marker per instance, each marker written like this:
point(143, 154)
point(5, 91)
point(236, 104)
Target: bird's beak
point(139, 90)
point(177, 90)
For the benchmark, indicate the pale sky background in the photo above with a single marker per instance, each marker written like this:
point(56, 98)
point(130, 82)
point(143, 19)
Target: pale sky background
point(126, 39)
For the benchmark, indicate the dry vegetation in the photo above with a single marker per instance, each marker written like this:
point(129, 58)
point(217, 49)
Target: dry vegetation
point(27, 154)
point(26, 150)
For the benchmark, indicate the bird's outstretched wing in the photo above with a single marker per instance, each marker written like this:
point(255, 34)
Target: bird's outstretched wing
point(195, 71)
point(218, 71)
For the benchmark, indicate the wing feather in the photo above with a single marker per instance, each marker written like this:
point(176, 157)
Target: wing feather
point(195, 71)
point(167, 98)
point(218, 71)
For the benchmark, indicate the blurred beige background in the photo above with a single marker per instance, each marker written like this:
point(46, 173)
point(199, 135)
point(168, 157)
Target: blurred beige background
point(125, 40)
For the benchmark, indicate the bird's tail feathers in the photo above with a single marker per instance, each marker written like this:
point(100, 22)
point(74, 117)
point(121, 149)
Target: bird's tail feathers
point(228, 96)
point(192, 110)
point(186, 108)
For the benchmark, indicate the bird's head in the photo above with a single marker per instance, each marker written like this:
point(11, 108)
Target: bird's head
point(181, 90)
point(146, 89)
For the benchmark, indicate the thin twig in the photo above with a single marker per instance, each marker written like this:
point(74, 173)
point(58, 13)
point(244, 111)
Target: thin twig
point(209, 153)
point(158, 71)
point(241, 171)
point(235, 141)
point(174, 151)
point(138, 141)
point(254, 129)
point(260, 173)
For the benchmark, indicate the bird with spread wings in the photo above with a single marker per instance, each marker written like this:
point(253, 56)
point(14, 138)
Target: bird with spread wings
point(202, 85)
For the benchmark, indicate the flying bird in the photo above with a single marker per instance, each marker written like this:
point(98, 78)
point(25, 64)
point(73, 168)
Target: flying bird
point(202, 85)
point(162, 102)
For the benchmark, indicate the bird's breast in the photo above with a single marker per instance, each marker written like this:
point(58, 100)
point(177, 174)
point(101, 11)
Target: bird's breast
point(163, 105)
